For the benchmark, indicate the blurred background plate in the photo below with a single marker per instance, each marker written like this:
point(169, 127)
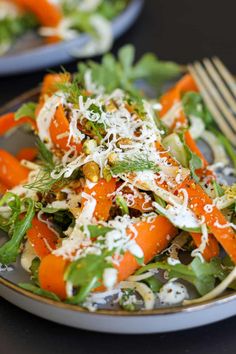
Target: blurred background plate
point(29, 54)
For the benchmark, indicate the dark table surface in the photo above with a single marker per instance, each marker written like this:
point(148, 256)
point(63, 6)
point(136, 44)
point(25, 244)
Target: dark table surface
point(183, 31)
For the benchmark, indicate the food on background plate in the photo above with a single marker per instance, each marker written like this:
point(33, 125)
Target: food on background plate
point(116, 201)
point(60, 20)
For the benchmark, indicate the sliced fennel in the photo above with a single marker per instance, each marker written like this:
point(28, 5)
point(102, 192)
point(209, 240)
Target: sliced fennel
point(197, 127)
point(173, 143)
point(218, 151)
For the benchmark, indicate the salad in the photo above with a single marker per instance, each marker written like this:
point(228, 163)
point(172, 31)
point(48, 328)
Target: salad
point(116, 202)
point(59, 20)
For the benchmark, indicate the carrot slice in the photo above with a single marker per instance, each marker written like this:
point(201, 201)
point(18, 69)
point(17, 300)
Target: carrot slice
point(174, 95)
point(42, 238)
point(102, 193)
point(12, 173)
point(153, 238)
point(28, 153)
point(51, 81)
point(51, 275)
point(212, 248)
point(8, 122)
point(47, 13)
point(3, 188)
point(59, 131)
point(215, 220)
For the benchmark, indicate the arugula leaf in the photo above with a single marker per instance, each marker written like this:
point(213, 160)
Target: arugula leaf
point(14, 203)
point(194, 160)
point(153, 283)
point(38, 291)
point(194, 105)
point(9, 250)
point(155, 71)
point(122, 73)
point(86, 274)
point(97, 230)
point(26, 110)
point(219, 191)
point(202, 275)
point(45, 155)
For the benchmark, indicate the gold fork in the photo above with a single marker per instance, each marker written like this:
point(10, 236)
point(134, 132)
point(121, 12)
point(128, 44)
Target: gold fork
point(218, 89)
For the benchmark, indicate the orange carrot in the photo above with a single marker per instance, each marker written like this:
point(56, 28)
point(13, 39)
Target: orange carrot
point(27, 153)
point(153, 238)
point(212, 247)
point(102, 193)
point(42, 238)
point(3, 188)
point(51, 82)
point(12, 172)
point(187, 83)
point(194, 148)
point(8, 122)
point(51, 275)
point(59, 131)
point(47, 13)
point(141, 204)
point(174, 95)
point(197, 199)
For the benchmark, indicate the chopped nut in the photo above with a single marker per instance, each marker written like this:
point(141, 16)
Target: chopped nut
point(111, 107)
point(89, 146)
point(112, 158)
point(91, 171)
point(124, 141)
point(107, 173)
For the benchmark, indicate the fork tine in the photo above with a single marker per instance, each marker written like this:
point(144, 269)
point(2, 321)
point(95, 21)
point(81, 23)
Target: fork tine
point(229, 98)
point(228, 77)
point(215, 95)
point(212, 107)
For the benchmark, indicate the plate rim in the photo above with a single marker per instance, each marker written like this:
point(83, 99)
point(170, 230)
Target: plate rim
point(120, 313)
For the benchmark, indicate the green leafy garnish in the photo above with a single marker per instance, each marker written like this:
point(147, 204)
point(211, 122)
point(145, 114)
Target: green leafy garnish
point(134, 164)
point(86, 274)
point(26, 110)
point(14, 203)
point(202, 275)
point(38, 291)
point(194, 106)
point(34, 268)
point(194, 161)
point(13, 27)
point(97, 230)
point(43, 181)
point(219, 191)
point(122, 73)
point(153, 283)
point(10, 250)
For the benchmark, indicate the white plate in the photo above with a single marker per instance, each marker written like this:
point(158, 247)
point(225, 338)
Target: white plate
point(162, 319)
point(30, 54)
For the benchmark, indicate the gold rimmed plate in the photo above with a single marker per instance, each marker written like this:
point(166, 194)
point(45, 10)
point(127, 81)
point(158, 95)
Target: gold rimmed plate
point(160, 319)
